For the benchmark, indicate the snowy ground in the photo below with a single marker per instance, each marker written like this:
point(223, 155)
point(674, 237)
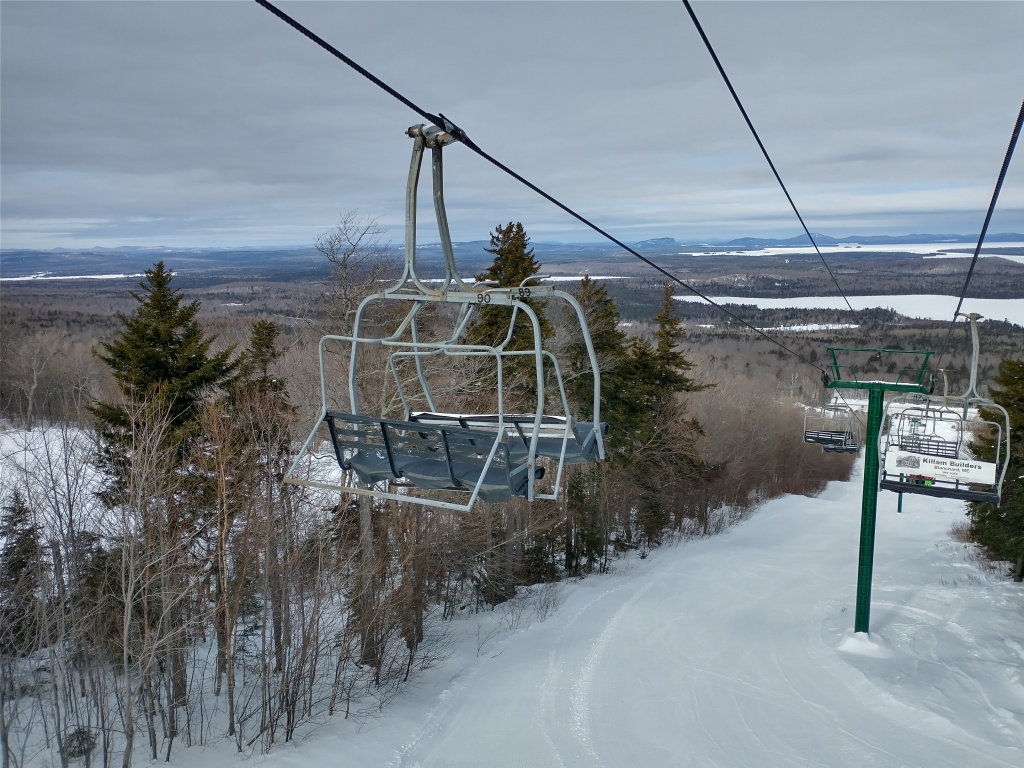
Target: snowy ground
point(729, 652)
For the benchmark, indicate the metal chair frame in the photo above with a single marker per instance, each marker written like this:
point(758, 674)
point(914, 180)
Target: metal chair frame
point(833, 427)
point(517, 441)
point(929, 437)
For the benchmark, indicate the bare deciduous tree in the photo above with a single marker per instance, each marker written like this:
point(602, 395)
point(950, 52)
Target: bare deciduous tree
point(360, 260)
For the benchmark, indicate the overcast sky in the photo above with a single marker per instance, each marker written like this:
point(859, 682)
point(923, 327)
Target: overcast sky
point(215, 124)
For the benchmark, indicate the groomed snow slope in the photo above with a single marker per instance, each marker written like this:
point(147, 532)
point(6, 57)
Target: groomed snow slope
point(732, 652)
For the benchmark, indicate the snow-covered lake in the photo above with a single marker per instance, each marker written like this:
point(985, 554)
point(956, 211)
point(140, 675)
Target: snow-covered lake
point(926, 307)
point(805, 328)
point(51, 276)
point(928, 250)
point(1018, 259)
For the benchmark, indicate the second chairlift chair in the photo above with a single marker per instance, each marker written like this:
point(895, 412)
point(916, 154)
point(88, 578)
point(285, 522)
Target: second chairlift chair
point(833, 427)
point(492, 456)
point(927, 449)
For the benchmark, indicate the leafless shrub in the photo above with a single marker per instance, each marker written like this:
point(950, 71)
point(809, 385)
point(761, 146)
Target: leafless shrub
point(960, 531)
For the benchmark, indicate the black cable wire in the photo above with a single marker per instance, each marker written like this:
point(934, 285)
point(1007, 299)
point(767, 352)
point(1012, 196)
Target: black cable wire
point(984, 228)
point(435, 119)
point(764, 151)
point(625, 247)
point(778, 177)
point(441, 121)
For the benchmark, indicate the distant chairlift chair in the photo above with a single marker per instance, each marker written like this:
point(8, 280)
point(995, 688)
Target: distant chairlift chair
point(833, 427)
point(491, 456)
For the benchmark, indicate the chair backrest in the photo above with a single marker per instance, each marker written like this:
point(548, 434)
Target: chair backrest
point(931, 432)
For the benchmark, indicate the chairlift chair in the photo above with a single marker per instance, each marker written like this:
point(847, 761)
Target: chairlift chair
point(491, 456)
point(833, 427)
point(927, 447)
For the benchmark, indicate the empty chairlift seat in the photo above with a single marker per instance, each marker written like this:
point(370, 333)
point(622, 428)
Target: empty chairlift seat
point(930, 433)
point(454, 452)
point(925, 452)
point(833, 427)
point(418, 328)
point(579, 439)
point(429, 456)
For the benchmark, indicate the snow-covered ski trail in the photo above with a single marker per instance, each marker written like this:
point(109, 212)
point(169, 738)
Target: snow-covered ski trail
point(738, 650)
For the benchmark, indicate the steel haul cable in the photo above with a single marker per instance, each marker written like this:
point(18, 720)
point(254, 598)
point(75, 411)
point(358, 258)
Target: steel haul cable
point(984, 229)
point(764, 151)
point(442, 122)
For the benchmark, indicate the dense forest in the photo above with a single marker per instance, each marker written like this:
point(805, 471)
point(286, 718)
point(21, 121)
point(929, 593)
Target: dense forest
point(161, 588)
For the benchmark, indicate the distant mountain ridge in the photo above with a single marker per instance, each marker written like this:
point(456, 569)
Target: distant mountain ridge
point(655, 242)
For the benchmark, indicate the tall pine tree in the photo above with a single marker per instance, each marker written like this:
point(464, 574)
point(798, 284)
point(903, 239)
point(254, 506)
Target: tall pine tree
point(160, 355)
point(1001, 530)
point(21, 563)
point(587, 527)
point(256, 363)
point(609, 343)
point(643, 390)
point(652, 439)
point(513, 263)
point(651, 442)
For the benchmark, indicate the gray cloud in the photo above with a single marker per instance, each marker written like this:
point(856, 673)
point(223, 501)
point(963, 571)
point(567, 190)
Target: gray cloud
point(215, 124)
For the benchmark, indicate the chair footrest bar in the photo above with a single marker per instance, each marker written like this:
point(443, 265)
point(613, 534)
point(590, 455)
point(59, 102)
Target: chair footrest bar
point(938, 489)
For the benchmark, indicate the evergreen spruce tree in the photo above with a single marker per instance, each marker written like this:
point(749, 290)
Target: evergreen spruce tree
point(21, 554)
point(254, 369)
point(609, 346)
point(586, 528)
point(256, 395)
point(651, 442)
point(513, 263)
point(161, 355)
point(672, 364)
point(1001, 530)
point(651, 438)
point(642, 391)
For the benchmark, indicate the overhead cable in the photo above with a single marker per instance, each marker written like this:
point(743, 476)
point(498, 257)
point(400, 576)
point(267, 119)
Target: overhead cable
point(450, 127)
point(764, 151)
point(984, 227)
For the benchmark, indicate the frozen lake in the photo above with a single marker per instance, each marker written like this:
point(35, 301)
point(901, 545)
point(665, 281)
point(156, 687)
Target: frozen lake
point(927, 250)
point(926, 306)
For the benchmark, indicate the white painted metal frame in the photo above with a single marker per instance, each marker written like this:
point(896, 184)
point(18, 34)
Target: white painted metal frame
point(404, 342)
point(937, 430)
